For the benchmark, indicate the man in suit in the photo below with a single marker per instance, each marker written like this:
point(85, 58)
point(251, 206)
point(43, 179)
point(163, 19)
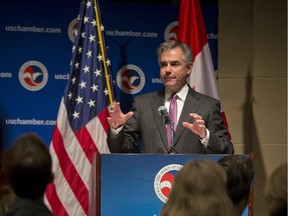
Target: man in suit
point(198, 126)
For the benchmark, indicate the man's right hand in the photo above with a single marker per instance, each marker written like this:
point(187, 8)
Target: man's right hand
point(117, 118)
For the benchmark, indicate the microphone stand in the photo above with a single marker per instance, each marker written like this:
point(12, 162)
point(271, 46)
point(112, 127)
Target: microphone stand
point(172, 149)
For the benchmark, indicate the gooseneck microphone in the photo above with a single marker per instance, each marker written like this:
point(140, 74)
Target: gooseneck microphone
point(162, 110)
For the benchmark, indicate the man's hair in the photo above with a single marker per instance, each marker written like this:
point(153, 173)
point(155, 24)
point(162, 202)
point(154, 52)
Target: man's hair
point(28, 165)
point(240, 174)
point(187, 52)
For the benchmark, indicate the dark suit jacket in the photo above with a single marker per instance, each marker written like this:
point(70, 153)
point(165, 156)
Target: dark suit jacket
point(28, 207)
point(148, 127)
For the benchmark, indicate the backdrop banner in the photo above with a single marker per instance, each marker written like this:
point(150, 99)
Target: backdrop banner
point(36, 51)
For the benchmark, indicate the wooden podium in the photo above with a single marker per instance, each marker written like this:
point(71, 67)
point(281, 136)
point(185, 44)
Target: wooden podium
point(136, 184)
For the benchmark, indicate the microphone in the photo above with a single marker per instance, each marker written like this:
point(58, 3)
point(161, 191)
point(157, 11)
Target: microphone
point(162, 110)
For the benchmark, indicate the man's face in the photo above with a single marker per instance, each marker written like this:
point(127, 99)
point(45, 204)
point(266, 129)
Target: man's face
point(173, 69)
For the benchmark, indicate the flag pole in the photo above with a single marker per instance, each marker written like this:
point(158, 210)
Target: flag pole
point(103, 52)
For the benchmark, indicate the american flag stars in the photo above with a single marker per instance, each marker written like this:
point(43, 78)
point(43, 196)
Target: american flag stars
point(87, 57)
point(91, 38)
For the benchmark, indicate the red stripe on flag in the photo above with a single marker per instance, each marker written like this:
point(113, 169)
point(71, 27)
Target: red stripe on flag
point(187, 26)
point(103, 119)
point(54, 201)
point(71, 175)
point(84, 139)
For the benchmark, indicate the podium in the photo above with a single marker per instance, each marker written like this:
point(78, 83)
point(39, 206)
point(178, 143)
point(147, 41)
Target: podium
point(136, 184)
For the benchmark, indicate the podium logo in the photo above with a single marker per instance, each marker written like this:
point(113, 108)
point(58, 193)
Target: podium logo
point(130, 79)
point(164, 180)
point(33, 75)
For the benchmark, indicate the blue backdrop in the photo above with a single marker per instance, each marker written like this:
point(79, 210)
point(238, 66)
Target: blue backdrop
point(36, 44)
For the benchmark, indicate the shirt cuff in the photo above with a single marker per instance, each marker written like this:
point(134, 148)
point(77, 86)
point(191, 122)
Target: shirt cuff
point(205, 140)
point(115, 132)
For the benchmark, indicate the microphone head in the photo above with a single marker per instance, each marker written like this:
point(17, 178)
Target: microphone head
point(162, 110)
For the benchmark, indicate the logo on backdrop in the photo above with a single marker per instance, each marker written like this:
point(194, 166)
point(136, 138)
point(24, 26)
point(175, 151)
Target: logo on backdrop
point(72, 28)
point(33, 75)
point(164, 180)
point(130, 79)
point(171, 31)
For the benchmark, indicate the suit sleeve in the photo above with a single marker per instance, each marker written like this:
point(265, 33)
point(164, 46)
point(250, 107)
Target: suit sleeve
point(219, 141)
point(126, 140)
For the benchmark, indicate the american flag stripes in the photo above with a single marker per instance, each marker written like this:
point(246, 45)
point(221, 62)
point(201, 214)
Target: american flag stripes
point(82, 126)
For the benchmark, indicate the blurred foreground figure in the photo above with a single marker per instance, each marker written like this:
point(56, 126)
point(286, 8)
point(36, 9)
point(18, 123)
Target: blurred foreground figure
point(199, 189)
point(276, 192)
point(28, 168)
point(240, 175)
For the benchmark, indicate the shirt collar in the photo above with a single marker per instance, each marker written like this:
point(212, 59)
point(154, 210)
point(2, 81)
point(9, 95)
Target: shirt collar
point(181, 94)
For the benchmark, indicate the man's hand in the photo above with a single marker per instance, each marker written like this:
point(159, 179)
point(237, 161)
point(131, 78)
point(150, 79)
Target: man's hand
point(117, 118)
point(198, 127)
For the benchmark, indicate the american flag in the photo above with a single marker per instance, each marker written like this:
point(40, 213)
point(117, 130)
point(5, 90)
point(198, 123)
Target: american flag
point(82, 127)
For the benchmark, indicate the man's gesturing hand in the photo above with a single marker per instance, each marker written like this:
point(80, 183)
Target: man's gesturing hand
point(117, 118)
point(198, 127)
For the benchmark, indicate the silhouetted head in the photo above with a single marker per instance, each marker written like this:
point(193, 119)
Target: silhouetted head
point(28, 166)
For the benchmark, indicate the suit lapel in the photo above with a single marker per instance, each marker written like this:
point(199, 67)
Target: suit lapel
point(190, 106)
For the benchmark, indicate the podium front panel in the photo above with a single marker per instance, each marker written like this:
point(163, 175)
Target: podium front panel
point(132, 184)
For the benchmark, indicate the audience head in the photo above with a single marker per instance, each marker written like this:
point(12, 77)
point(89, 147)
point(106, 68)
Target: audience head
point(200, 186)
point(240, 175)
point(28, 166)
point(276, 192)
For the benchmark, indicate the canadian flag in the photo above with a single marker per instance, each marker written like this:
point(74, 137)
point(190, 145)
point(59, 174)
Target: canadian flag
point(191, 30)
